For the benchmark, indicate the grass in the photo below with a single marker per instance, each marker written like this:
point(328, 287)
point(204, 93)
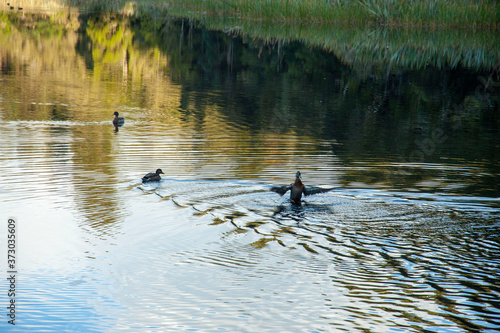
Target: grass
point(360, 46)
point(441, 33)
point(387, 36)
point(408, 13)
point(418, 13)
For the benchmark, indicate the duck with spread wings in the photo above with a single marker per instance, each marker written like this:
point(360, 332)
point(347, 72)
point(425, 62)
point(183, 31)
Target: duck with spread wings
point(298, 188)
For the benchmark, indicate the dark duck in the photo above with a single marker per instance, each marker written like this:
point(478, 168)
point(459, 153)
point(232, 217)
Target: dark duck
point(118, 121)
point(152, 176)
point(298, 188)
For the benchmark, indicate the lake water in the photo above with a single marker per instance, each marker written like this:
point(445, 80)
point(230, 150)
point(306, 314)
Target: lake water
point(408, 240)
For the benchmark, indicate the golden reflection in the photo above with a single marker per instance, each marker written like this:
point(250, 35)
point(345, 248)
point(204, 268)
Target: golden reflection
point(52, 78)
point(95, 193)
point(54, 70)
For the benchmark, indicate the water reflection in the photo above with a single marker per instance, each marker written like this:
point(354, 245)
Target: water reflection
point(407, 241)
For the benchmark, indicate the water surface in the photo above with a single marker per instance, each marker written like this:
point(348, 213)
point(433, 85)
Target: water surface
point(408, 240)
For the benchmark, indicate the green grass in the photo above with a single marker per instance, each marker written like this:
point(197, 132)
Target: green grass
point(369, 36)
point(421, 13)
point(409, 13)
point(407, 33)
point(364, 46)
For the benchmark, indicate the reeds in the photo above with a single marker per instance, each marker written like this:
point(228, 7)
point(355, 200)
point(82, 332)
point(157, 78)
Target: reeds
point(442, 41)
point(361, 46)
point(421, 13)
point(410, 13)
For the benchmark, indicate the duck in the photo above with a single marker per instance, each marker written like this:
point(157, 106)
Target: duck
point(298, 188)
point(152, 176)
point(118, 121)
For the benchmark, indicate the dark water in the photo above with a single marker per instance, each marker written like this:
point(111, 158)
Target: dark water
point(408, 241)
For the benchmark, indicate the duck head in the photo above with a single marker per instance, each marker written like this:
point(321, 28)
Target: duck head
point(115, 114)
point(158, 171)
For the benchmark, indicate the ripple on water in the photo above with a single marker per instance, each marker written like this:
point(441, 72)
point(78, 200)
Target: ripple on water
point(234, 255)
point(401, 263)
point(42, 309)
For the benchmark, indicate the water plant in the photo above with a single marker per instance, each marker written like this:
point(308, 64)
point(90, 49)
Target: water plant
point(411, 13)
point(423, 13)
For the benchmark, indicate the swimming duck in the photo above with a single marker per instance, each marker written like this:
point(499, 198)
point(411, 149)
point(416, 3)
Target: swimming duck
point(298, 188)
point(118, 121)
point(152, 176)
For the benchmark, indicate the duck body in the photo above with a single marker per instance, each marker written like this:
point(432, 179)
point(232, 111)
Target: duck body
point(118, 121)
point(152, 176)
point(297, 188)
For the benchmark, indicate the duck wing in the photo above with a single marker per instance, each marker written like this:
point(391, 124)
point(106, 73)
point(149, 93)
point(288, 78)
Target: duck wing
point(149, 177)
point(117, 122)
point(310, 190)
point(281, 189)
